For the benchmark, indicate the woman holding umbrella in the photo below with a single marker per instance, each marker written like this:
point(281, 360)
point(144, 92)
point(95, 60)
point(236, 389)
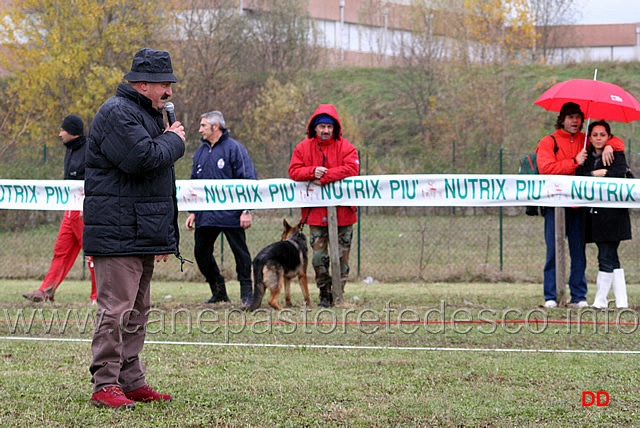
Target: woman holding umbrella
point(606, 226)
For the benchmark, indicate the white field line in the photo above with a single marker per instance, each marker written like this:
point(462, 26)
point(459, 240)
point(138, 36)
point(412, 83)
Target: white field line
point(365, 348)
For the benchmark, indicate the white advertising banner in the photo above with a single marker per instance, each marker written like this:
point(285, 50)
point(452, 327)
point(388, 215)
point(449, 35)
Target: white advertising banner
point(373, 190)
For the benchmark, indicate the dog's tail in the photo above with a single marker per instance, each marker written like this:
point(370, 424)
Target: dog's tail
point(258, 285)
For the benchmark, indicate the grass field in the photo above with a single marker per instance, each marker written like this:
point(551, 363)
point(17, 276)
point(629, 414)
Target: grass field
point(487, 356)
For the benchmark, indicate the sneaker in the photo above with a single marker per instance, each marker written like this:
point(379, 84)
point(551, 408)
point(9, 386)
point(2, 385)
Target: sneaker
point(38, 296)
point(146, 394)
point(112, 396)
point(550, 304)
point(94, 302)
point(579, 305)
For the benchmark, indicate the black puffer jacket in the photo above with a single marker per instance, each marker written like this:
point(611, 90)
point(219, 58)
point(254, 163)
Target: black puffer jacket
point(74, 158)
point(130, 205)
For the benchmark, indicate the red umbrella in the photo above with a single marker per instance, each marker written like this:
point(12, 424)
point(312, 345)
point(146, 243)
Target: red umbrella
point(597, 99)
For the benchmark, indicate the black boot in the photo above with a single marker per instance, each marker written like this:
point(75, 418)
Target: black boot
point(218, 293)
point(326, 299)
point(246, 294)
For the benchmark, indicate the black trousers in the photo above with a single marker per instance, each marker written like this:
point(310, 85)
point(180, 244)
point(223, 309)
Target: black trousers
point(608, 260)
point(205, 239)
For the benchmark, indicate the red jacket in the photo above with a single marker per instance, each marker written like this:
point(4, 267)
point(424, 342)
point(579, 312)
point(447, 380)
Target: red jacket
point(562, 162)
point(337, 154)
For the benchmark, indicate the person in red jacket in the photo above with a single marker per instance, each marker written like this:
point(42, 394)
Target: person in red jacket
point(323, 157)
point(69, 241)
point(561, 153)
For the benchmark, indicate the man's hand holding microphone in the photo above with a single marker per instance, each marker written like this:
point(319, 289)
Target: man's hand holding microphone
point(174, 126)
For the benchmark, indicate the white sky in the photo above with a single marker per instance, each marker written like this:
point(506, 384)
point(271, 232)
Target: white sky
point(608, 11)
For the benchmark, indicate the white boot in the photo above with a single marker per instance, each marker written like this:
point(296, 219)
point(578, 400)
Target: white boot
point(603, 284)
point(620, 288)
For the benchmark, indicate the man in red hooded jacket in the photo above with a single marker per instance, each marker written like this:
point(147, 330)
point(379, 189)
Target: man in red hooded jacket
point(324, 157)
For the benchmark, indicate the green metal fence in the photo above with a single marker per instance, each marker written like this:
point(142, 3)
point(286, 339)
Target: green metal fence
point(390, 244)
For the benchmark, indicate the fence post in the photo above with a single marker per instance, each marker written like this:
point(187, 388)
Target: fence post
point(359, 212)
point(501, 220)
point(559, 229)
point(334, 247)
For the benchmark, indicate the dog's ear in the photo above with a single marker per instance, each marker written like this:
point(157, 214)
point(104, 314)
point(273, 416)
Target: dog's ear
point(286, 225)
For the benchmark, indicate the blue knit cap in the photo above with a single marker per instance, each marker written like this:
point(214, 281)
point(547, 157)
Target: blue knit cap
point(323, 118)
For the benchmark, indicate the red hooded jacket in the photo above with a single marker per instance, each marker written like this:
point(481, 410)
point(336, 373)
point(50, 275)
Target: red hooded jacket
point(337, 154)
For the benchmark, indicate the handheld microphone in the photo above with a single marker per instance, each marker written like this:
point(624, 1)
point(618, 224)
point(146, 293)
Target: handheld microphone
point(171, 114)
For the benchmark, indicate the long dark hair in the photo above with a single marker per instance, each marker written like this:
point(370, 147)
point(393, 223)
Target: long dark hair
point(602, 123)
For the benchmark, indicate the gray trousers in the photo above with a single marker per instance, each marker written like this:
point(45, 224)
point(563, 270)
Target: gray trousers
point(123, 285)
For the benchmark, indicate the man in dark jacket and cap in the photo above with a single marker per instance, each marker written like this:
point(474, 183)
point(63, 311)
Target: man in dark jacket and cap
point(131, 221)
point(69, 241)
point(323, 157)
point(220, 157)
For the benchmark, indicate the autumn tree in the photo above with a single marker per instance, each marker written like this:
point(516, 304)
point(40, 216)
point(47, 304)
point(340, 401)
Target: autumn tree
point(497, 36)
point(282, 39)
point(420, 58)
point(230, 55)
point(547, 14)
point(67, 56)
point(213, 36)
point(499, 30)
point(274, 123)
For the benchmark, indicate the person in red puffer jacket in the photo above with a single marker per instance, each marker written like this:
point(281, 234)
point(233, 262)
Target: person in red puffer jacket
point(323, 157)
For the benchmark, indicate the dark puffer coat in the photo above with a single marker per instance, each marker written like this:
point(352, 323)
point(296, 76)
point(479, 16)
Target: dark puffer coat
point(130, 205)
point(606, 224)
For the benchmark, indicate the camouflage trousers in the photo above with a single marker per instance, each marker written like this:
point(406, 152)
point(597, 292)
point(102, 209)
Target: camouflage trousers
point(319, 241)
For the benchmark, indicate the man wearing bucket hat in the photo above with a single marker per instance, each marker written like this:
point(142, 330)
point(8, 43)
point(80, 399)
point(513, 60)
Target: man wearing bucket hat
point(323, 157)
point(69, 241)
point(561, 153)
point(131, 222)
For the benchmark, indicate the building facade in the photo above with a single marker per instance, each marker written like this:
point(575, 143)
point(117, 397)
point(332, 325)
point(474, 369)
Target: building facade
point(368, 32)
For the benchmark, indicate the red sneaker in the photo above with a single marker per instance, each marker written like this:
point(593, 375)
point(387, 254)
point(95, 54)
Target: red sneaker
point(112, 396)
point(146, 394)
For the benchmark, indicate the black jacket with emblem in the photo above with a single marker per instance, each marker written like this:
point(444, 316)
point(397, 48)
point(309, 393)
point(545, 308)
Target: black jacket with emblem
point(130, 205)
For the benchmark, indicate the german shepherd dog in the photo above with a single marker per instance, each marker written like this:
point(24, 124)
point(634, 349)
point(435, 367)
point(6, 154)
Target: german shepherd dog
point(277, 263)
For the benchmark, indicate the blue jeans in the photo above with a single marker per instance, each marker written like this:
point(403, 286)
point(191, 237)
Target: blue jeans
point(574, 223)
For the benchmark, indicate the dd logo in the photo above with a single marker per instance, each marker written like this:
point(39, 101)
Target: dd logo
point(600, 398)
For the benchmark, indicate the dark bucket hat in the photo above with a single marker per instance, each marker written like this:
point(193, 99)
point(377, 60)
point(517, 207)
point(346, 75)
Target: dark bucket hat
point(150, 65)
